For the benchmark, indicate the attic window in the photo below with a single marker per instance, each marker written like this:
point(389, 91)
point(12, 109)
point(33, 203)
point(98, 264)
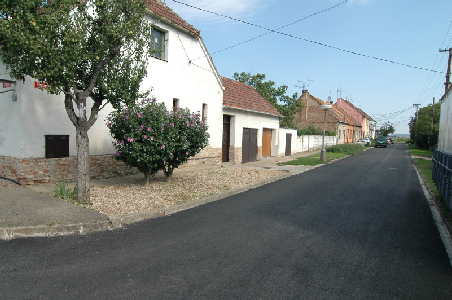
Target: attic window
point(158, 44)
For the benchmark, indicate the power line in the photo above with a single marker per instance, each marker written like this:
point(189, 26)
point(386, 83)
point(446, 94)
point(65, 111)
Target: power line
point(306, 40)
point(290, 24)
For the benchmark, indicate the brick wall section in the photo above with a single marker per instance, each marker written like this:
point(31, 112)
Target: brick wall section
point(41, 170)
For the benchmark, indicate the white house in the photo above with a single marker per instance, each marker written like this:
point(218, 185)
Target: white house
point(251, 126)
point(37, 139)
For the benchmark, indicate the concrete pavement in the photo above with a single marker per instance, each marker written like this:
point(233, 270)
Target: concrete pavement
point(29, 211)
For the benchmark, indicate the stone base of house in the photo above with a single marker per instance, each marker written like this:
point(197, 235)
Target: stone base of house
point(42, 170)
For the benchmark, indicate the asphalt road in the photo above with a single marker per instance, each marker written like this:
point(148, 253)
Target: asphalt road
point(359, 228)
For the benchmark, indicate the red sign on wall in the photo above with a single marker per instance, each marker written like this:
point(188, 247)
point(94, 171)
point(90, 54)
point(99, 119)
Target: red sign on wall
point(6, 84)
point(41, 85)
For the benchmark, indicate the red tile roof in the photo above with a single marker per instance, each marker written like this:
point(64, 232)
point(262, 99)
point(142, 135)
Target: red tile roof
point(242, 96)
point(160, 9)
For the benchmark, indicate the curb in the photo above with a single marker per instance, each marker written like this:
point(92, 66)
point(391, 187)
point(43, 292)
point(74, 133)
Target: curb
point(9, 233)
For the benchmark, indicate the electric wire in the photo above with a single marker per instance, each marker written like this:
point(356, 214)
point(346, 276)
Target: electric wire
point(290, 24)
point(307, 40)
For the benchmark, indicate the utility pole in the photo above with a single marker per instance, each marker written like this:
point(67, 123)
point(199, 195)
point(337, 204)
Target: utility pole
point(417, 123)
point(447, 84)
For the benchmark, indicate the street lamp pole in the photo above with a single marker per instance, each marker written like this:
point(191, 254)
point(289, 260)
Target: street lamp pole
point(325, 107)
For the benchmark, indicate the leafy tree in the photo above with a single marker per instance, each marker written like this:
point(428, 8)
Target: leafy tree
point(151, 139)
point(288, 106)
point(83, 49)
point(421, 130)
point(385, 130)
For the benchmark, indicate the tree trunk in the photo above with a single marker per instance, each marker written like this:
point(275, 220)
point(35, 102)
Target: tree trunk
point(83, 191)
point(147, 178)
point(168, 174)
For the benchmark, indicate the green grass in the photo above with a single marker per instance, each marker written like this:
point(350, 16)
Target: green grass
point(419, 151)
point(425, 166)
point(313, 159)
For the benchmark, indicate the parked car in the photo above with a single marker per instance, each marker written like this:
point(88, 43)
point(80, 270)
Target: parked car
point(381, 141)
point(364, 141)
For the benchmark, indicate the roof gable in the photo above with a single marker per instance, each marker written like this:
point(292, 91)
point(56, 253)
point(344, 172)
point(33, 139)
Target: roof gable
point(243, 96)
point(161, 10)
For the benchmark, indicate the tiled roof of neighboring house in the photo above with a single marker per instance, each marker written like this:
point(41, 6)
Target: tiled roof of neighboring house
point(161, 10)
point(338, 113)
point(242, 96)
point(346, 117)
point(358, 110)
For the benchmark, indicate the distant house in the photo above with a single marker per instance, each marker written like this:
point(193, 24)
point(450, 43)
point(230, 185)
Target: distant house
point(367, 123)
point(37, 139)
point(347, 129)
point(251, 125)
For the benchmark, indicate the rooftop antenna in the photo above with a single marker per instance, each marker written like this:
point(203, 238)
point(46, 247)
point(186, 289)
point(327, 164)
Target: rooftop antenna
point(339, 93)
point(305, 83)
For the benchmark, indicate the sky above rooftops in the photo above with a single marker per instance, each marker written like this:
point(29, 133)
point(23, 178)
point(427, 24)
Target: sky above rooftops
point(381, 55)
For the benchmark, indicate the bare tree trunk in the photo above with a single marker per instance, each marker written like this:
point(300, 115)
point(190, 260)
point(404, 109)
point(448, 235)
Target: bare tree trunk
point(83, 191)
point(168, 174)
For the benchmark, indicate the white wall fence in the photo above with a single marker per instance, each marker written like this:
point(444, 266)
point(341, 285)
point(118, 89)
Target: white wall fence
point(306, 143)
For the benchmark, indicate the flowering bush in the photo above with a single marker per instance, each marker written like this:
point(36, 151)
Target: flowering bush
point(151, 139)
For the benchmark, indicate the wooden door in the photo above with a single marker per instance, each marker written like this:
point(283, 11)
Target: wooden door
point(266, 142)
point(288, 144)
point(249, 145)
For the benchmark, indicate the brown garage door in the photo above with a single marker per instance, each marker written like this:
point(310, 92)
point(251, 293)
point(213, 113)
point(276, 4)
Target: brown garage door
point(266, 142)
point(249, 145)
point(288, 144)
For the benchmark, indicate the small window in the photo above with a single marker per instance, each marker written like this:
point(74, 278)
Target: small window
point(204, 113)
point(158, 43)
point(175, 104)
point(57, 146)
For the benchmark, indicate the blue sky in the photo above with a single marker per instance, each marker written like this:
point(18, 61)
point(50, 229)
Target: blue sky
point(407, 32)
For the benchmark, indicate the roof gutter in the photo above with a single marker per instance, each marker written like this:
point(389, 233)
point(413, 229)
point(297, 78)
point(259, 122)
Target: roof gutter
point(252, 111)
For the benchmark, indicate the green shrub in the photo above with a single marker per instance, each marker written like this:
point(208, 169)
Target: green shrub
point(349, 149)
point(62, 191)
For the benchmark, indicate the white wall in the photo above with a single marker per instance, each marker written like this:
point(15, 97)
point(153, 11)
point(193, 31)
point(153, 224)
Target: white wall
point(10, 122)
point(445, 123)
point(193, 83)
point(306, 143)
point(282, 141)
point(242, 119)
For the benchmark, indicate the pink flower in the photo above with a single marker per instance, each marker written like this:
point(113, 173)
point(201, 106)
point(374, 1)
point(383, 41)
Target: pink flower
point(151, 138)
point(141, 126)
point(163, 146)
point(109, 125)
point(127, 117)
point(163, 128)
point(140, 115)
point(130, 139)
point(149, 128)
point(187, 153)
point(121, 142)
point(145, 136)
point(118, 153)
point(172, 124)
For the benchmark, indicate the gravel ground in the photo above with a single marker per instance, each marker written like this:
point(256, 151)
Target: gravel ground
point(137, 197)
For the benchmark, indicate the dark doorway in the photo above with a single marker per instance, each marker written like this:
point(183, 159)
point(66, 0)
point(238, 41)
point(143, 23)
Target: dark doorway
point(226, 138)
point(288, 144)
point(249, 145)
